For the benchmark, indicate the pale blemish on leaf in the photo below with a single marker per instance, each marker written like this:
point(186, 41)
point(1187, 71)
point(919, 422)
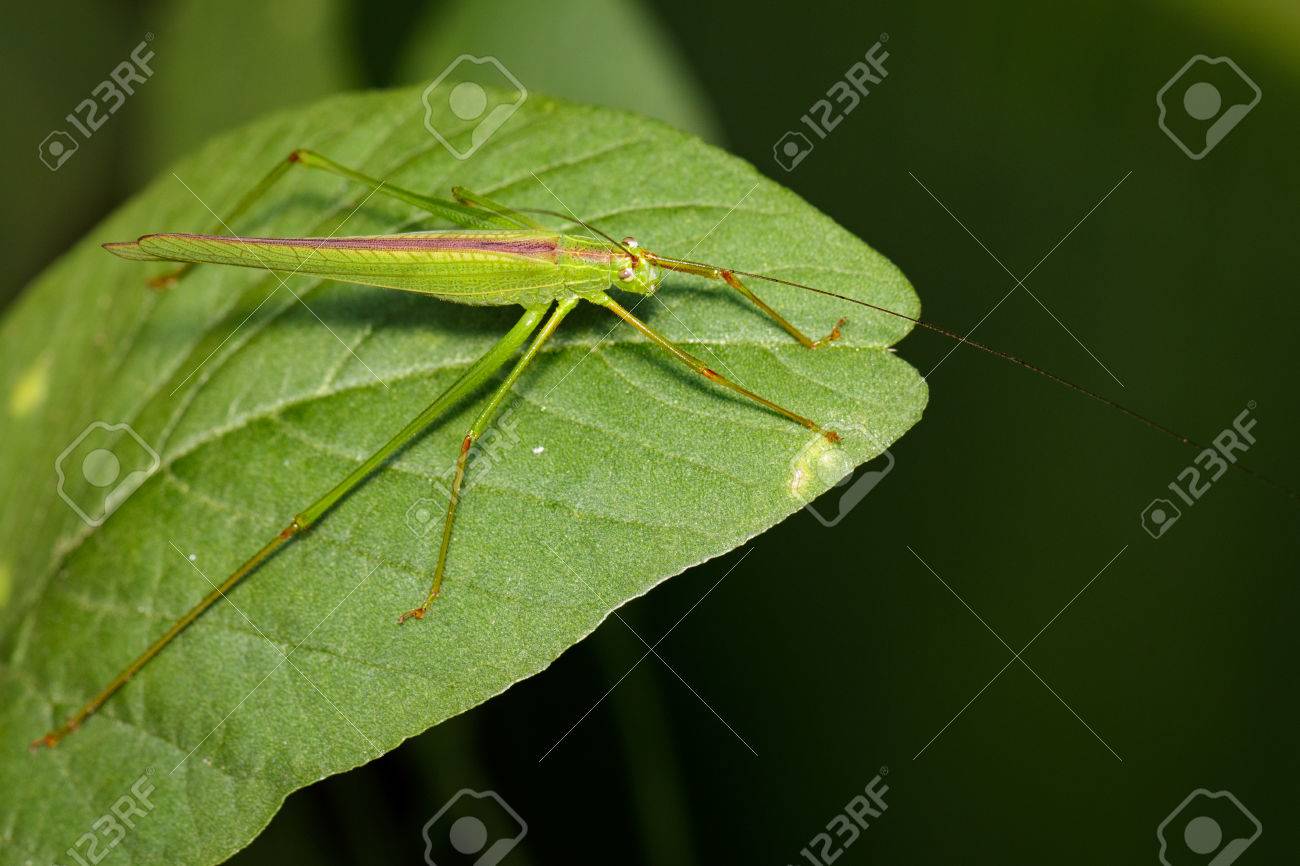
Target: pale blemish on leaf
point(820, 464)
point(31, 388)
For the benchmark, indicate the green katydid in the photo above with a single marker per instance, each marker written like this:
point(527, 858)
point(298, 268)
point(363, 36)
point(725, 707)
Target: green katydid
point(497, 256)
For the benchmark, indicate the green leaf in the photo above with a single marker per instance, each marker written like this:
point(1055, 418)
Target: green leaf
point(617, 470)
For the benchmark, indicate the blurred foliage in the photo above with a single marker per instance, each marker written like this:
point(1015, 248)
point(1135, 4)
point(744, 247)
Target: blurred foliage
point(613, 53)
point(225, 64)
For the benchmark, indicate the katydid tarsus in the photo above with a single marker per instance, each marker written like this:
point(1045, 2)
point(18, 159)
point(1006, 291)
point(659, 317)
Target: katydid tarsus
point(497, 256)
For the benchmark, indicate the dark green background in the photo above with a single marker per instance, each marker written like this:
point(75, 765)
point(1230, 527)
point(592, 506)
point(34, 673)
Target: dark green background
point(835, 652)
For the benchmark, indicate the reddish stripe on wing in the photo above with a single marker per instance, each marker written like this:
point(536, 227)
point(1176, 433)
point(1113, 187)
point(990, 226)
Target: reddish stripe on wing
point(542, 247)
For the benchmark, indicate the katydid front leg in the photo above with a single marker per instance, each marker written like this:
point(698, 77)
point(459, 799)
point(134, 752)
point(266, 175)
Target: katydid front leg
point(713, 272)
point(708, 372)
point(475, 376)
point(477, 429)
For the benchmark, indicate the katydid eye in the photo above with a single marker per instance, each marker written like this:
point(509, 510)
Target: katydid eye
point(630, 243)
point(626, 274)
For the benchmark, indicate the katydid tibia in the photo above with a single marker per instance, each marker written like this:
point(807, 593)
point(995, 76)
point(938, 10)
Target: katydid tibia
point(497, 256)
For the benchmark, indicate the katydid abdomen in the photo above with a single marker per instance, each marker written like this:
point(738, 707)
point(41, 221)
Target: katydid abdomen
point(494, 267)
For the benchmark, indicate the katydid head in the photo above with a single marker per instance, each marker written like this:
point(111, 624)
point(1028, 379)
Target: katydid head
point(637, 271)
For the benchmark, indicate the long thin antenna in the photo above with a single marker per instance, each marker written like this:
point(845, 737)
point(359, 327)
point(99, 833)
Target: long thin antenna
point(1014, 359)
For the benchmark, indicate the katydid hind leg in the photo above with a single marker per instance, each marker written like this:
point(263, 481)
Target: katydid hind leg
point(474, 200)
point(458, 214)
point(478, 373)
point(256, 193)
point(476, 430)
